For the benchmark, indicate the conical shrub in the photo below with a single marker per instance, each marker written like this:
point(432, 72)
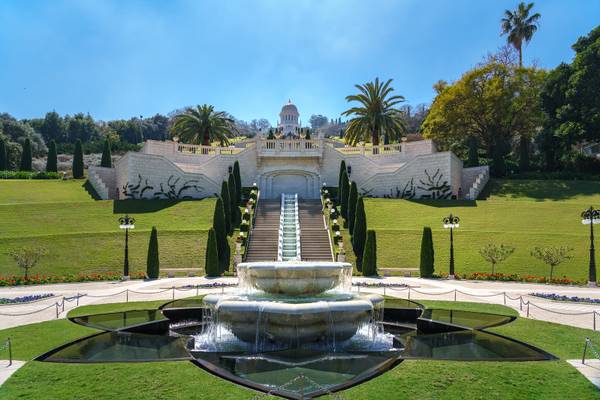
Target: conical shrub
point(236, 215)
point(221, 235)
point(238, 183)
point(369, 261)
point(360, 232)
point(106, 161)
point(345, 189)
point(153, 260)
point(78, 160)
point(226, 207)
point(427, 254)
point(211, 260)
point(339, 193)
point(352, 198)
point(52, 160)
point(26, 156)
point(3, 156)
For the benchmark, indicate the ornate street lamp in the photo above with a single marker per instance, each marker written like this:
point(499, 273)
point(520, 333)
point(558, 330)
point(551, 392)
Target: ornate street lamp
point(451, 222)
point(590, 217)
point(126, 223)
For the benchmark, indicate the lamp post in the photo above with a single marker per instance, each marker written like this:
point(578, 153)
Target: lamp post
point(451, 222)
point(126, 223)
point(590, 217)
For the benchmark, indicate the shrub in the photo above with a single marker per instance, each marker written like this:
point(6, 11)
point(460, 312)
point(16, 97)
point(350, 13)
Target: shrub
point(219, 226)
point(52, 160)
point(344, 192)
point(28, 175)
point(26, 156)
point(14, 280)
point(360, 232)
point(352, 197)
point(211, 263)
point(106, 161)
point(339, 192)
point(369, 259)
point(552, 256)
point(495, 254)
point(78, 160)
point(3, 156)
point(226, 207)
point(27, 258)
point(238, 183)
point(153, 261)
point(427, 265)
point(236, 215)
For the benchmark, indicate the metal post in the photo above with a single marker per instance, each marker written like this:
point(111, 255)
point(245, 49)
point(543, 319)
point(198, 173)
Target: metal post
point(521, 303)
point(454, 294)
point(9, 351)
point(528, 309)
point(126, 260)
point(592, 272)
point(126, 295)
point(197, 286)
point(63, 304)
point(451, 252)
point(384, 291)
point(504, 295)
point(173, 292)
point(56, 306)
point(584, 350)
point(409, 293)
point(77, 299)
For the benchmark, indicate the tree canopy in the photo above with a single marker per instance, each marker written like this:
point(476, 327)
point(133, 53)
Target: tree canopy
point(203, 125)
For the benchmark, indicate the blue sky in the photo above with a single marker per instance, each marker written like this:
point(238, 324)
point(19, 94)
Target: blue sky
point(118, 59)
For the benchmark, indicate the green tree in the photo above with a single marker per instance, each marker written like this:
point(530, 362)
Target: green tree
point(360, 232)
point(226, 207)
point(53, 127)
point(203, 125)
point(238, 182)
point(369, 259)
point(376, 115)
point(106, 161)
point(552, 256)
point(495, 254)
point(27, 258)
point(78, 160)
point(427, 265)
point(519, 27)
point(211, 259)
point(221, 234)
point(344, 192)
point(52, 160)
point(26, 156)
point(236, 215)
point(473, 160)
point(352, 198)
point(153, 260)
point(339, 193)
point(3, 156)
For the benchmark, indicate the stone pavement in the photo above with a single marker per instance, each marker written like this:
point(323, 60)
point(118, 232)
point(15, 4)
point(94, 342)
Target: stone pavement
point(7, 370)
point(591, 370)
point(515, 295)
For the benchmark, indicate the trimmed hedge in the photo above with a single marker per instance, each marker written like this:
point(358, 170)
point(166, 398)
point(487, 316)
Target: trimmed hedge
point(211, 266)
point(106, 161)
point(344, 193)
point(221, 235)
point(360, 232)
point(427, 254)
point(342, 168)
point(153, 260)
point(28, 175)
point(78, 160)
point(26, 156)
point(226, 207)
point(352, 198)
point(52, 160)
point(369, 263)
point(3, 156)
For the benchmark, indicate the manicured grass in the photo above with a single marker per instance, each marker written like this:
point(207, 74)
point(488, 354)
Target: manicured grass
point(411, 379)
point(523, 214)
point(116, 307)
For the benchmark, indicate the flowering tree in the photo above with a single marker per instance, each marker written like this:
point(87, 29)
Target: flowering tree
point(552, 256)
point(27, 258)
point(495, 254)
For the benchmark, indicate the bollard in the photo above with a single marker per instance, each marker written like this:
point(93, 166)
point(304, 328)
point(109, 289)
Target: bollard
point(77, 299)
point(384, 291)
point(454, 294)
point(585, 350)
point(9, 351)
point(528, 309)
point(173, 292)
point(56, 306)
point(504, 296)
point(520, 303)
point(63, 304)
point(197, 286)
point(409, 293)
point(126, 295)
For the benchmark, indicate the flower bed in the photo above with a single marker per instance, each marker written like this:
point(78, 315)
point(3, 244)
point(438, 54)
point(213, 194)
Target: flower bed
point(25, 299)
point(378, 284)
point(558, 297)
point(481, 276)
point(44, 279)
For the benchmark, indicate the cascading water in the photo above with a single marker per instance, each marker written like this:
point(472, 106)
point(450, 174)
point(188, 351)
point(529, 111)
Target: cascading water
point(289, 229)
point(292, 305)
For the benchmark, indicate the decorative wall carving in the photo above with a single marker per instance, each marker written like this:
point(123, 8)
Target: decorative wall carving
point(172, 190)
point(436, 186)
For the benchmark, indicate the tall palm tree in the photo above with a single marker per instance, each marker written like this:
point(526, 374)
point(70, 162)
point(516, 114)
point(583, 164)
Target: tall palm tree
point(520, 27)
point(203, 125)
point(376, 115)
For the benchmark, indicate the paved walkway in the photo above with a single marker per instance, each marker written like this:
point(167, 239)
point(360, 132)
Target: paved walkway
point(7, 370)
point(515, 295)
point(591, 370)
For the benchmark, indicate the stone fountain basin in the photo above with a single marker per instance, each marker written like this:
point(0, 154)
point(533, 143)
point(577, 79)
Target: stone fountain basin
point(293, 323)
point(294, 277)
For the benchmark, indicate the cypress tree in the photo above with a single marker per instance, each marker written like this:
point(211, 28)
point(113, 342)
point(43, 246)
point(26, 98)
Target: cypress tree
point(26, 156)
point(153, 261)
point(3, 156)
point(238, 183)
point(221, 235)
point(473, 160)
point(369, 263)
point(236, 215)
point(427, 254)
point(78, 160)
point(339, 194)
point(52, 161)
point(359, 234)
point(106, 155)
point(345, 189)
point(352, 197)
point(211, 260)
point(226, 207)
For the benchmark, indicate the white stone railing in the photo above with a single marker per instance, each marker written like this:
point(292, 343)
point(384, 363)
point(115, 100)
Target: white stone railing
point(381, 150)
point(289, 147)
point(197, 149)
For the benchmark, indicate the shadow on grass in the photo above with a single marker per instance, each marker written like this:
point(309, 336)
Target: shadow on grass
point(143, 206)
point(540, 190)
point(87, 186)
point(445, 203)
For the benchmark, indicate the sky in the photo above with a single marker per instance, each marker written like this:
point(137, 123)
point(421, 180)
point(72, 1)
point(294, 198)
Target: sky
point(120, 59)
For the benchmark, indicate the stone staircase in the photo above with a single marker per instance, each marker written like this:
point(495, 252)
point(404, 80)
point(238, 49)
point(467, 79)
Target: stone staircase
point(314, 238)
point(103, 181)
point(474, 180)
point(264, 238)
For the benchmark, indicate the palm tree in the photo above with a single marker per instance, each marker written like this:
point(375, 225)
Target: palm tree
point(520, 27)
point(376, 115)
point(203, 125)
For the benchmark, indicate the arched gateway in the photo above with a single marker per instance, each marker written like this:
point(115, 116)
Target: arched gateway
point(304, 183)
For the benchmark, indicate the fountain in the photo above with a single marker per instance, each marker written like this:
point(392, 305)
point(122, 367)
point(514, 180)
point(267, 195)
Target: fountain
point(290, 304)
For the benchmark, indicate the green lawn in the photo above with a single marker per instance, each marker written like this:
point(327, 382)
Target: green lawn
point(411, 379)
point(523, 214)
